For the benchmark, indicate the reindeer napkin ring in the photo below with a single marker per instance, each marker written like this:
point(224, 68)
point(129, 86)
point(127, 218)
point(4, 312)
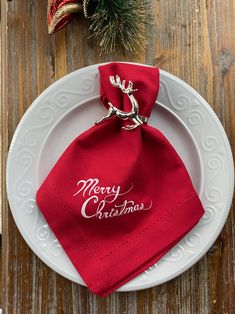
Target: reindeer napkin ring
point(133, 114)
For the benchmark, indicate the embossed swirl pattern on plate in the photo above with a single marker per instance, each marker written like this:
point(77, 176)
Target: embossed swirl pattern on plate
point(23, 186)
point(181, 102)
point(46, 116)
point(86, 87)
point(213, 160)
point(26, 159)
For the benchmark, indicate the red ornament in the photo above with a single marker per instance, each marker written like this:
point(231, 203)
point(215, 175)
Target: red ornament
point(60, 13)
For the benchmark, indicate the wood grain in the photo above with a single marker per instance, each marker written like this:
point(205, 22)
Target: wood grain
point(193, 39)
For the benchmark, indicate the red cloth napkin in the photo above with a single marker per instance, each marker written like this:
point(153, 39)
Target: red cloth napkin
point(118, 200)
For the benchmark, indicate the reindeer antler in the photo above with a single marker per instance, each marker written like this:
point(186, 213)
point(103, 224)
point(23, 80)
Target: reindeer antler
point(122, 85)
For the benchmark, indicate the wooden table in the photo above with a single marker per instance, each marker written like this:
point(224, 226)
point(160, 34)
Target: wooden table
point(193, 39)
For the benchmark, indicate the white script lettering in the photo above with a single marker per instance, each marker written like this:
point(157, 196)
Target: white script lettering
point(104, 197)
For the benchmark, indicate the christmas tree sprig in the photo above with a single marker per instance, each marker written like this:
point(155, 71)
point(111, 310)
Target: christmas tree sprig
point(118, 24)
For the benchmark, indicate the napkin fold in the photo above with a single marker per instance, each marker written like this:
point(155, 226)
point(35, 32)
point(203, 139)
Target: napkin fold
point(117, 199)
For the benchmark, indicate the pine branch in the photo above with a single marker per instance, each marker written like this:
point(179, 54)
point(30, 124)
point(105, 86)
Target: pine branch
point(119, 23)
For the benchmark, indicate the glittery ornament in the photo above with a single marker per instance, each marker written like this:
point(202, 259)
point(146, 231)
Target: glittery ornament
point(60, 13)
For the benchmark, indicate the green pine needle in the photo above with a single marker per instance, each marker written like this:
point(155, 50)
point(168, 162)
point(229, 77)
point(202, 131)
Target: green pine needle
point(119, 23)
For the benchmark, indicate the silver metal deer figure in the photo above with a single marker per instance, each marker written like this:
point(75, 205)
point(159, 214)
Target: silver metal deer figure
point(114, 111)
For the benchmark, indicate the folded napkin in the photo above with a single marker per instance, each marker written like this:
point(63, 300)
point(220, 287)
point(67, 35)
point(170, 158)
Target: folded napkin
point(120, 197)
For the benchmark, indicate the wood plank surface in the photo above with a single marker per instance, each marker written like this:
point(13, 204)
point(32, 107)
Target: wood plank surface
point(193, 39)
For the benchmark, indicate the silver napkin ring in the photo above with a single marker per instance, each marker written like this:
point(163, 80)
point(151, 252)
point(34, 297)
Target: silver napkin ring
point(133, 114)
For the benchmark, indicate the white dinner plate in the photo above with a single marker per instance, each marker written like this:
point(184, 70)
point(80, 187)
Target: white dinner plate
point(69, 107)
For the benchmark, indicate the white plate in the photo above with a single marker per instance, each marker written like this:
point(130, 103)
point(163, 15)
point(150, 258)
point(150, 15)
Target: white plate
point(69, 107)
